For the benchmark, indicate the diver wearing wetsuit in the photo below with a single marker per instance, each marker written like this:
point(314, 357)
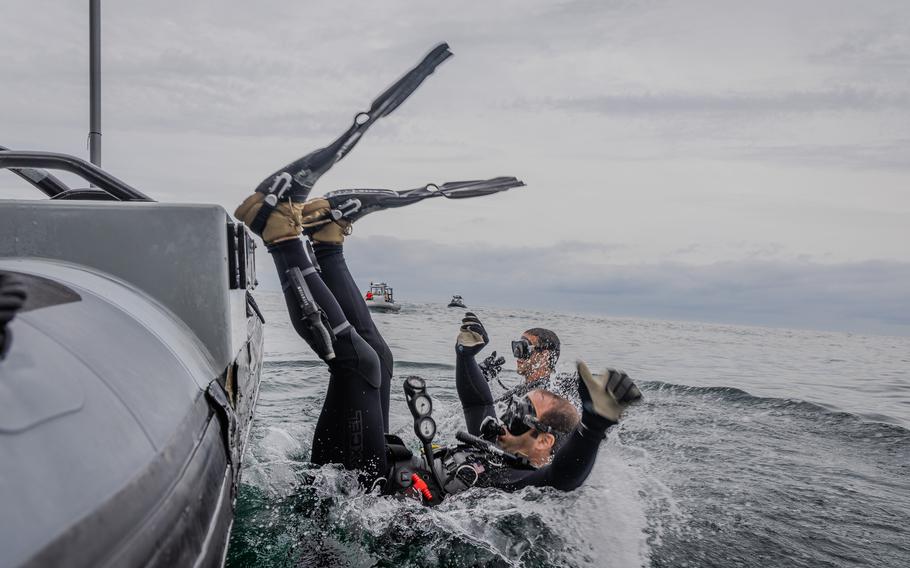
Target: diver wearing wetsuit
point(536, 353)
point(354, 417)
point(323, 301)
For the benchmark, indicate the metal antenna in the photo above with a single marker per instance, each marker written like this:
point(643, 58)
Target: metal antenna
point(94, 134)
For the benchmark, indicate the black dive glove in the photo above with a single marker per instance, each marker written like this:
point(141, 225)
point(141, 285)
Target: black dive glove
point(622, 387)
point(492, 366)
point(472, 337)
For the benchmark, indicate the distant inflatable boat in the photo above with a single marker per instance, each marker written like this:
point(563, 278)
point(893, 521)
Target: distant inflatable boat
point(381, 298)
point(457, 302)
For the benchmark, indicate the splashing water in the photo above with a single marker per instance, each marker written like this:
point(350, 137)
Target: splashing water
point(752, 447)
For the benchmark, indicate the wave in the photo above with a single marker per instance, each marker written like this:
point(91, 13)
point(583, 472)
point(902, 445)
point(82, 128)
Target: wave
point(292, 363)
point(732, 395)
point(421, 365)
point(315, 363)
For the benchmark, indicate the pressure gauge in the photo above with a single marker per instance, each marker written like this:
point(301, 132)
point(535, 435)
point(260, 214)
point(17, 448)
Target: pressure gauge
point(423, 405)
point(426, 428)
point(415, 384)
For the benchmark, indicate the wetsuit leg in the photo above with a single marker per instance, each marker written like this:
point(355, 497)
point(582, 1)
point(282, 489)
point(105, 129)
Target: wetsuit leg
point(350, 429)
point(473, 391)
point(338, 278)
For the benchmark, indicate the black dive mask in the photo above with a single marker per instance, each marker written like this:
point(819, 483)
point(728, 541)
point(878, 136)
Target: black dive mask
point(522, 348)
point(520, 417)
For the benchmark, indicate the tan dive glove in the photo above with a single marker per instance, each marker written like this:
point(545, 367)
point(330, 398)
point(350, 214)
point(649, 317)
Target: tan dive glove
point(472, 337)
point(596, 397)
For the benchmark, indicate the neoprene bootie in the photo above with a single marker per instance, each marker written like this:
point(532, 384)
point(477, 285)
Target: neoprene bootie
point(283, 222)
point(321, 226)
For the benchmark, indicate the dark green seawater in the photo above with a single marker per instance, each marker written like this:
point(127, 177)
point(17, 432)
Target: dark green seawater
point(754, 447)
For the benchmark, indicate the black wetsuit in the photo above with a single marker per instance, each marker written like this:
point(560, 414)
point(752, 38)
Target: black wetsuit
point(354, 418)
point(570, 465)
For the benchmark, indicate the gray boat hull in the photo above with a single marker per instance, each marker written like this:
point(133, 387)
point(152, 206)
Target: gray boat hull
point(383, 306)
point(128, 389)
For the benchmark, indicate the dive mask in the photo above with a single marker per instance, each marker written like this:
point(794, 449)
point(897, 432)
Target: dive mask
point(520, 417)
point(522, 348)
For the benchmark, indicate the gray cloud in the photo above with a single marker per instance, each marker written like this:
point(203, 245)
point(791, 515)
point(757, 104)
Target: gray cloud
point(847, 99)
point(892, 155)
point(887, 47)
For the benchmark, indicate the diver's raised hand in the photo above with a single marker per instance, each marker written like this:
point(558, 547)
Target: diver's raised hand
point(622, 387)
point(472, 337)
point(596, 396)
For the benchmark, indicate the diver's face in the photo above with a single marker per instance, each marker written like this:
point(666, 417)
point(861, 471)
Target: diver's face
point(535, 366)
point(538, 447)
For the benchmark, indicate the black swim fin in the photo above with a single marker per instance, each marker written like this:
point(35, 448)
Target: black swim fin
point(305, 171)
point(352, 204)
point(462, 189)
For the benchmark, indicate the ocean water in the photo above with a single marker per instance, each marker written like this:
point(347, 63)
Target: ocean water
point(752, 447)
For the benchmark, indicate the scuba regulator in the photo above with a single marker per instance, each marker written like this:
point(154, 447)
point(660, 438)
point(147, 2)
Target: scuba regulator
point(421, 406)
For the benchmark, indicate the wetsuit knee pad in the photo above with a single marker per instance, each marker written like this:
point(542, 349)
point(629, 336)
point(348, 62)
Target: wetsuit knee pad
point(354, 356)
point(384, 353)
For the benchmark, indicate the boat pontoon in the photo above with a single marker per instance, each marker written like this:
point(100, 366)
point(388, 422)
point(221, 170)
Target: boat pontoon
point(130, 356)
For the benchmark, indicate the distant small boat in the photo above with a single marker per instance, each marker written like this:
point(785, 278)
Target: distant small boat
point(457, 302)
point(381, 298)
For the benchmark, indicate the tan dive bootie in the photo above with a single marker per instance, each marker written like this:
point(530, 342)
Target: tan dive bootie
point(283, 224)
point(330, 232)
point(317, 222)
point(289, 218)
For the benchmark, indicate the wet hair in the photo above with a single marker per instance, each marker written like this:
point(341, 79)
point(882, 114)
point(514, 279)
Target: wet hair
point(548, 340)
point(560, 415)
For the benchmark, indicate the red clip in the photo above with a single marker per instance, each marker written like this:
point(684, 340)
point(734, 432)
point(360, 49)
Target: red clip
point(421, 485)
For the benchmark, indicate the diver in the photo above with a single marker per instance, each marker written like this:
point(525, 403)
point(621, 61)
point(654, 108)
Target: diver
point(323, 301)
point(536, 353)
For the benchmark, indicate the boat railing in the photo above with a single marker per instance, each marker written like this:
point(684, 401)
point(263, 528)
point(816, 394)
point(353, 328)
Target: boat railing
point(30, 166)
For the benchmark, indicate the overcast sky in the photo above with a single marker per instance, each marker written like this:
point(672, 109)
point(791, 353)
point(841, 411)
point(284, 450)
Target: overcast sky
point(725, 161)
